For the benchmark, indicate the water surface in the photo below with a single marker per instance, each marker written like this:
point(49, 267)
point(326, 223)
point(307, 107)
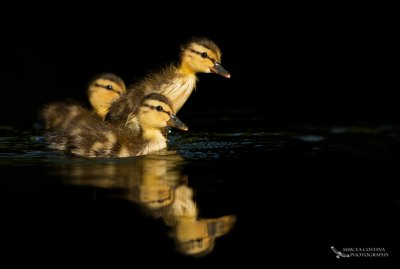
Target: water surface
point(230, 189)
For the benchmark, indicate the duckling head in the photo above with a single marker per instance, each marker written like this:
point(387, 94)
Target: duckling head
point(155, 113)
point(103, 90)
point(201, 55)
point(196, 237)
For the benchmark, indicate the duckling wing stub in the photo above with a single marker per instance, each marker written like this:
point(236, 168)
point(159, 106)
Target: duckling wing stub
point(128, 104)
point(118, 113)
point(113, 118)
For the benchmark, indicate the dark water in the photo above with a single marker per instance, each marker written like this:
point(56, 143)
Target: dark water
point(232, 189)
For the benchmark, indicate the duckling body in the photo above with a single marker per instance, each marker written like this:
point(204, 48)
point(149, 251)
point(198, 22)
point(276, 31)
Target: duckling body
point(177, 82)
point(103, 90)
point(95, 138)
point(59, 115)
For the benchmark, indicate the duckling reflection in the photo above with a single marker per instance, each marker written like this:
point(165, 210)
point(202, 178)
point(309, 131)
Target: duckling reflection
point(157, 185)
point(196, 237)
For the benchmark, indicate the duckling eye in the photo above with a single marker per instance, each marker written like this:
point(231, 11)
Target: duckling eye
point(204, 54)
point(159, 108)
point(109, 87)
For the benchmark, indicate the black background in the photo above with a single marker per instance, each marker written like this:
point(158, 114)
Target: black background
point(291, 63)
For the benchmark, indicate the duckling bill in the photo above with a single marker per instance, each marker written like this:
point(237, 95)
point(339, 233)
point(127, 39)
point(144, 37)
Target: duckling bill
point(96, 138)
point(177, 82)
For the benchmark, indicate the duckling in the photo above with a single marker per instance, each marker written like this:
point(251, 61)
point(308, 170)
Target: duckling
point(95, 138)
point(103, 89)
point(198, 55)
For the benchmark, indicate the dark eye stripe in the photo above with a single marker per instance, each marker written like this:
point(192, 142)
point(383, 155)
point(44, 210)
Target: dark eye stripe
point(158, 108)
point(203, 55)
point(107, 87)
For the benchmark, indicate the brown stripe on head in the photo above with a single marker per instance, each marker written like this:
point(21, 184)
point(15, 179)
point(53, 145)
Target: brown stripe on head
point(202, 41)
point(159, 97)
point(108, 76)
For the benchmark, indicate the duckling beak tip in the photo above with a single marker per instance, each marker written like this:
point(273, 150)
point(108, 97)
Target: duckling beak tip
point(182, 127)
point(177, 123)
point(218, 69)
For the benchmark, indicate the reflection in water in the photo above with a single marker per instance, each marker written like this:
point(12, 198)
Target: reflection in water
point(196, 236)
point(158, 186)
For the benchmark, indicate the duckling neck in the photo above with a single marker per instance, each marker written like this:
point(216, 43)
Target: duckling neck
point(100, 105)
point(101, 111)
point(155, 140)
point(153, 135)
point(181, 86)
point(185, 69)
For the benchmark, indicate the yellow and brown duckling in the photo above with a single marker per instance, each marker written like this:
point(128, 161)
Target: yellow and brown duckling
point(103, 90)
point(95, 138)
point(177, 82)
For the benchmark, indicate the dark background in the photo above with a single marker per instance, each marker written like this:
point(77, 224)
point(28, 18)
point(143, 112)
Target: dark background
point(291, 63)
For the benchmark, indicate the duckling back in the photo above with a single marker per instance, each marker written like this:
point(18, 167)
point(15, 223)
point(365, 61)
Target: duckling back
point(60, 115)
point(96, 138)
